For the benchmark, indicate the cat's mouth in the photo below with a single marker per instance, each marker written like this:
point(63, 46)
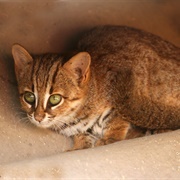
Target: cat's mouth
point(45, 122)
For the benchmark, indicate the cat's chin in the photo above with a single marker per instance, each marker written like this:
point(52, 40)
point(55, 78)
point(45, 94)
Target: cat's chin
point(42, 124)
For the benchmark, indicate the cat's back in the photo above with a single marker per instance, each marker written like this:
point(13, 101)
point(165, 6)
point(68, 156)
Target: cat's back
point(142, 53)
point(127, 41)
point(146, 70)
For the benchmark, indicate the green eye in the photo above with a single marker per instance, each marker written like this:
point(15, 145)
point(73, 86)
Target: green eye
point(29, 97)
point(55, 99)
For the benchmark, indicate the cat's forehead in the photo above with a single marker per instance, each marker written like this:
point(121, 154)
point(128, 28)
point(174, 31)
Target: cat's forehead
point(48, 74)
point(43, 67)
point(45, 62)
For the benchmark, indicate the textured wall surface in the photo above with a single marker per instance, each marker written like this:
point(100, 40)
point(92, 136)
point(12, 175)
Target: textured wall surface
point(53, 26)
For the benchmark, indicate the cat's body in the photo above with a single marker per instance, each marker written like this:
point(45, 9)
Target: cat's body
point(127, 82)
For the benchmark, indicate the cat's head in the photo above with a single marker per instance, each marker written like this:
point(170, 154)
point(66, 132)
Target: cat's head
point(49, 89)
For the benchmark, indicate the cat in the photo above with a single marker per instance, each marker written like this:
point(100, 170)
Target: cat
point(118, 83)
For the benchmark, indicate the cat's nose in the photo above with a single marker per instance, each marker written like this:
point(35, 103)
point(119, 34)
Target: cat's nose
point(38, 117)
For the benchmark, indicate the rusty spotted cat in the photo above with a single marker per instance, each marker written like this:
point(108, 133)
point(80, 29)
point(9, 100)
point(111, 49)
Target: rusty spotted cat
point(119, 83)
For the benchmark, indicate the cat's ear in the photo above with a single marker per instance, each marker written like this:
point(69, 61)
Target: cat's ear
point(21, 57)
point(79, 66)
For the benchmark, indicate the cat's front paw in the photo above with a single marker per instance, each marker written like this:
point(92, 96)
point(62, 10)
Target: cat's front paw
point(102, 142)
point(82, 141)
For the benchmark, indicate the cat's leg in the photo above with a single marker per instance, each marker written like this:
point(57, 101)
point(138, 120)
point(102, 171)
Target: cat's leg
point(83, 141)
point(117, 130)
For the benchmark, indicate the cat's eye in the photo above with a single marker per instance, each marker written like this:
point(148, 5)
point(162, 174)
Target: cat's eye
point(55, 99)
point(29, 97)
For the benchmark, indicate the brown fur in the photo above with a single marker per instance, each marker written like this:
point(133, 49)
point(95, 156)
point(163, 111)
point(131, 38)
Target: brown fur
point(123, 82)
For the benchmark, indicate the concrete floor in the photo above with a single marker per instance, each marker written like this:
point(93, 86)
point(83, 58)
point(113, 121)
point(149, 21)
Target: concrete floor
point(53, 27)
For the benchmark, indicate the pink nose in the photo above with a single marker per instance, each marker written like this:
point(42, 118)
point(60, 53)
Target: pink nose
point(39, 117)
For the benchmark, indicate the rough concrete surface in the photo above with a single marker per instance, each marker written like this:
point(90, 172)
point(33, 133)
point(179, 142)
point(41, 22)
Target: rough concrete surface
point(152, 158)
point(54, 26)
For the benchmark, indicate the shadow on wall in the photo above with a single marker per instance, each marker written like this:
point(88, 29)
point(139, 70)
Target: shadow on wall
point(9, 97)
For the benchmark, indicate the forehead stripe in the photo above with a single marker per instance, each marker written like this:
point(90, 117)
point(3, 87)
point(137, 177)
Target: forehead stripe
point(32, 70)
point(54, 76)
point(36, 70)
point(56, 72)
